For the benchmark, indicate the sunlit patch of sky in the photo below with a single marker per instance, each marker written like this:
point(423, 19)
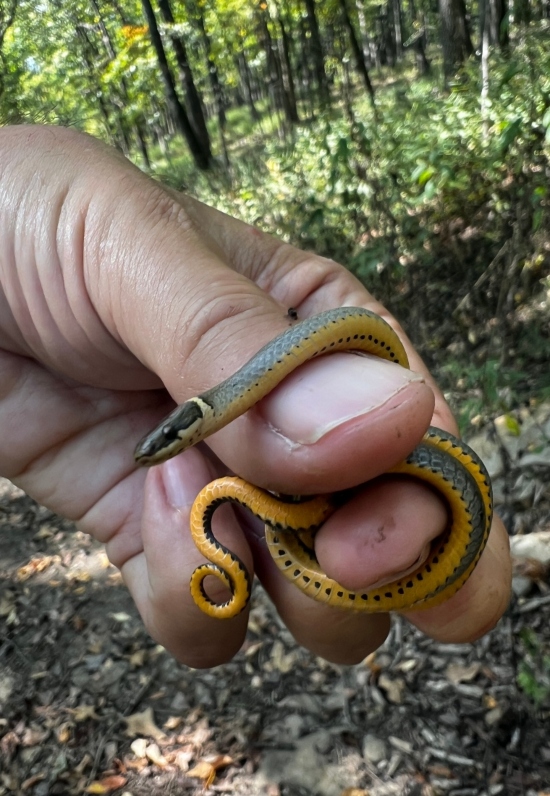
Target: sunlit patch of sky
point(32, 64)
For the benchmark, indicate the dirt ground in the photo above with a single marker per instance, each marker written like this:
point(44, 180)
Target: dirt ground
point(89, 703)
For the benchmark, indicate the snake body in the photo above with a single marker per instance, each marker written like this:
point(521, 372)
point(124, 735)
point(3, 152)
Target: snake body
point(447, 464)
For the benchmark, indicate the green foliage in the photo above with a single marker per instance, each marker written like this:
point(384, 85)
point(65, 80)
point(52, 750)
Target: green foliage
point(341, 187)
point(534, 669)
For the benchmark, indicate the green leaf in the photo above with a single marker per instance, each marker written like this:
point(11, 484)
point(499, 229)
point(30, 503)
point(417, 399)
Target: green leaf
point(508, 135)
point(512, 425)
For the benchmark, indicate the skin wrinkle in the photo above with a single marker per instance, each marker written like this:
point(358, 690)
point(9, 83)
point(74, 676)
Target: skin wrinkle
point(302, 270)
point(240, 251)
point(104, 287)
point(80, 292)
point(209, 327)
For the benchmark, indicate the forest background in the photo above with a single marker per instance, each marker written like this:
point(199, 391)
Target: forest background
point(407, 139)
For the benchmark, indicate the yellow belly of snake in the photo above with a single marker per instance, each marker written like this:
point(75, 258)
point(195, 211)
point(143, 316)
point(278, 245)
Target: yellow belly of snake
point(443, 461)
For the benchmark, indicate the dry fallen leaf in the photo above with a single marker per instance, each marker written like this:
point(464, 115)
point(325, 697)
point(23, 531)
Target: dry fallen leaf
point(138, 764)
point(182, 759)
point(43, 533)
point(457, 673)
point(354, 792)
point(83, 712)
point(200, 735)
point(7, 603)
point(79, 577)
point(85, 763)
point(107, 784)
point(139, 746)
point(120, 616)
point(33, 735)
point(206, 769)
point(372, 664)
point(155, 756)
point(32, 781)
point(64, 731)
point(137, 659)
point(489, 701)
point(8, 746)
point(172, 722)
point(37, 564)
point(281, 660)
point(143, 724)
point(394, 688)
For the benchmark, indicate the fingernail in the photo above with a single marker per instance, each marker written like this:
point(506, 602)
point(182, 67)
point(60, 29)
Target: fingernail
point(325, 393)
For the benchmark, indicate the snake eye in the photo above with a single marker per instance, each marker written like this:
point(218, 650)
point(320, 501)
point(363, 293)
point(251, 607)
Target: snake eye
point(181, 423)
point(170, 432)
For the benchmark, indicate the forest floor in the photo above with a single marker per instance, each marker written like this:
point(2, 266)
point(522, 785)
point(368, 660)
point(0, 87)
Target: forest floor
point(89, 703)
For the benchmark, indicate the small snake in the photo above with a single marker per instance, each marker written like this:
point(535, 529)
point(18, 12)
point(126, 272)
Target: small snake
point(441, 460)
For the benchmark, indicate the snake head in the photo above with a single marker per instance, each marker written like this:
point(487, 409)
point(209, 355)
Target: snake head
point(180, 430)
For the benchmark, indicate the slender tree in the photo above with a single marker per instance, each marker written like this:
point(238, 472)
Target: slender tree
point(200, 149)
point(277, 90)
point(246, 82)
point(213, 74)
point(493, 15)
point(455, 36)
point(357, 51)
point(397, 29)
point(317, 53)
point(194, 105)
point(418, 40)
point(286, 68)
point(366, 41)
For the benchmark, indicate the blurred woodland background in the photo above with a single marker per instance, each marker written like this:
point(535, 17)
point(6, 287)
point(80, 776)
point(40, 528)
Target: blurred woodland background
point(408, 139)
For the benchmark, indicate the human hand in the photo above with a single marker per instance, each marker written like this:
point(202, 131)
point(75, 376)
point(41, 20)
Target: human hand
point(117, 298)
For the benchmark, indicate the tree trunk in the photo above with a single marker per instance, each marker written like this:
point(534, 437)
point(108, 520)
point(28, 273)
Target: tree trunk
point(397, 28)
point(194, 105)
point(213, 75)
point(455, 36)
point(306, 80)
point(385, 42)
point(288, 77)
point(200, 150)
point(357, 51)
point(492, 18)
point(317, 54)
point(366, 42)
point(418, 40)
point(142, 143)
point(244, 72)
point(277, 91)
